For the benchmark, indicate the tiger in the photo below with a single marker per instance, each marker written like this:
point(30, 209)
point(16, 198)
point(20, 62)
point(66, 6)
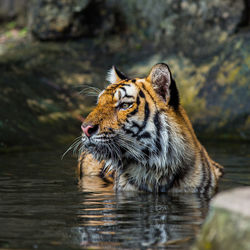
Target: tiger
point(139, 138)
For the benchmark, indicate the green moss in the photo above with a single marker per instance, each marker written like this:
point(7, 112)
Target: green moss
point(224, 230)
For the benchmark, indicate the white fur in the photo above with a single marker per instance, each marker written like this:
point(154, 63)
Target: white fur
point(130, 90)
point(100, 95)
point(111, 75)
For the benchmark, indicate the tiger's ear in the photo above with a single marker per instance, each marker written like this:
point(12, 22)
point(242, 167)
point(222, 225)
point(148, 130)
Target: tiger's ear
point(115, 75)
point(163, 84)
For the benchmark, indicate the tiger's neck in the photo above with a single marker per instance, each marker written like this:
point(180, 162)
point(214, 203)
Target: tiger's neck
point(167, 163)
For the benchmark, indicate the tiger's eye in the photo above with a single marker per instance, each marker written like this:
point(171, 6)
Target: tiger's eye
point(124, 105)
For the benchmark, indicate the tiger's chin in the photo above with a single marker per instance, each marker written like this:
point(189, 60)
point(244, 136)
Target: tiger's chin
point(103, 152)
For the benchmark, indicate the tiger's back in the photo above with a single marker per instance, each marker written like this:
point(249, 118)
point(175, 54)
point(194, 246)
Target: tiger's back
point(140, 135)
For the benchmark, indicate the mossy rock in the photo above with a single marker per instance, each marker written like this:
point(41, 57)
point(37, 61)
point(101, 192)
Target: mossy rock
point(228, 225)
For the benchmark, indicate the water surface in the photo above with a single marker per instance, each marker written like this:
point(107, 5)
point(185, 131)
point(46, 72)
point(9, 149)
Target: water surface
point(43, 207)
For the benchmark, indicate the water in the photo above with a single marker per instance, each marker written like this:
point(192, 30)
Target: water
point(43, 207)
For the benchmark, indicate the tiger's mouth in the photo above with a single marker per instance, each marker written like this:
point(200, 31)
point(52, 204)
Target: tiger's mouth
point(98, 140)
point(103, 147)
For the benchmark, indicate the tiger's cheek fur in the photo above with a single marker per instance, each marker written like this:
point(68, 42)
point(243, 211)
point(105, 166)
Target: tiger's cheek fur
point(137, 120)
point(122, 118)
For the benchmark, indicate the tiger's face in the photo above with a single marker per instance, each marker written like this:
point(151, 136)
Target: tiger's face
point(127, 121)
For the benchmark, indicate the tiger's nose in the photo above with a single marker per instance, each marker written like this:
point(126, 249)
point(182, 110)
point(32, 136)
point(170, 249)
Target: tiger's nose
point(89, 130)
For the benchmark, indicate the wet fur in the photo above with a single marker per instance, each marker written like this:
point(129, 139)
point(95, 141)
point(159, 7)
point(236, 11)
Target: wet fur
point(151, 146)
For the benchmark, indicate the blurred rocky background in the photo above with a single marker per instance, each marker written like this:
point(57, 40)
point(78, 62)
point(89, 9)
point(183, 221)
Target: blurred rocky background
point(51, 49)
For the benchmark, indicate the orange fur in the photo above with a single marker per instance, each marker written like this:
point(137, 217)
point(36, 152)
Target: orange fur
point(130, 111)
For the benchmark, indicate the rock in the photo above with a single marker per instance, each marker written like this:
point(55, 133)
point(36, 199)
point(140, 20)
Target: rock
point(186, 26)
point(56, 20)
point(228, 225)
point(190, 27)
point(13, 9)
point(53, 20)
point(225, 89)
point(39, 97)
point(235, 201)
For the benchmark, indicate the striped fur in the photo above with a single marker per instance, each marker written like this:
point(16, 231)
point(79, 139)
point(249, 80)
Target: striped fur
point(144, 138)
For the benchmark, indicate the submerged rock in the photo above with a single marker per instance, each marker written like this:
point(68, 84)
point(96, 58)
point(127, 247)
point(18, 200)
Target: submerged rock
point(228, 225)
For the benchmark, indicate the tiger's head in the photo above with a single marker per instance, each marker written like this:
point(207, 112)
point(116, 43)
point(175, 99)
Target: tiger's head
point(130, 121)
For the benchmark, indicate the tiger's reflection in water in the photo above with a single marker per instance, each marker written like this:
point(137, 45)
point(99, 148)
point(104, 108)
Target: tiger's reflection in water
point(132, 219)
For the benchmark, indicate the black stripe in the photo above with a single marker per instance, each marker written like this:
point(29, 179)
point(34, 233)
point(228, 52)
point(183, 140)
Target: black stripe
point(169, 142)
point(174, 100)
point(136, 109)
point(157, 122)
point(149, 95)
point(135, 125)
point(133, 112)
point(146, 116)
point(177, 177)
point(120, 74)
point(120, 95)
point(158, 127)
point(138, 100)
point(111, 130)
point(144, 135)
point(81, 162)
point(189, 129)
point(115, 86)
point(126, 95)
point(128, 131)
point(141, 187)
point(123, 89)
point(165, 188)
point(146, 152)
point(122, 84)
point(183, 170)
point(203, 182)
point(206, 188)
point(203, 172)
point(141, 94)
point(103, 176)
